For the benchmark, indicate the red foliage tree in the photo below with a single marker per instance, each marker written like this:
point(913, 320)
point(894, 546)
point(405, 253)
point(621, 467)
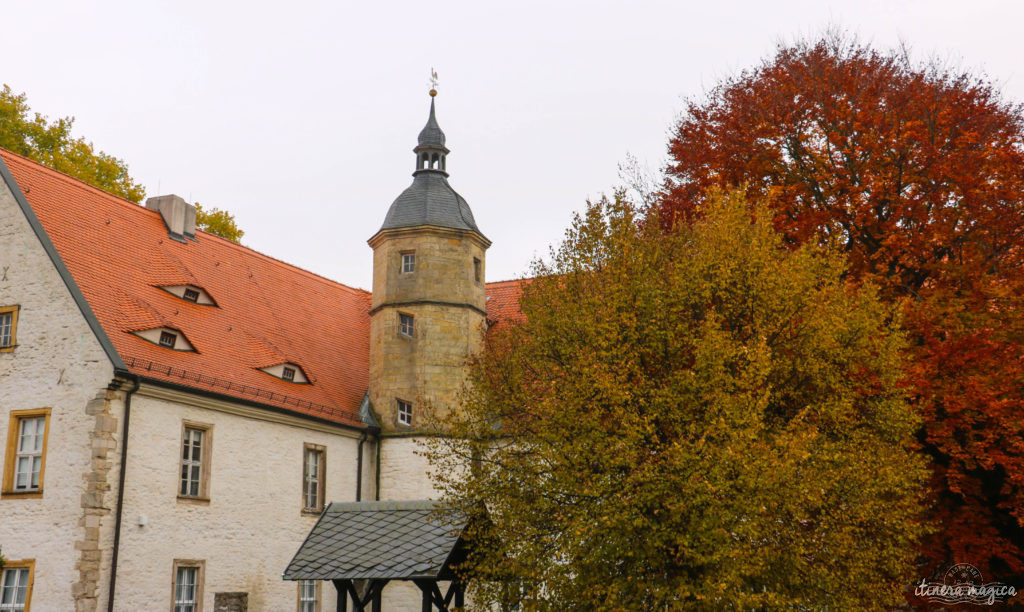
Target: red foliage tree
point(918, 173)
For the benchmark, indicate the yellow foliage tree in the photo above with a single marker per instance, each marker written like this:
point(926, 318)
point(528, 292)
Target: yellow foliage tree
point(702, 420)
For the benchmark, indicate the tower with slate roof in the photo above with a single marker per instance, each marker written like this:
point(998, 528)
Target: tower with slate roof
point(428, 313)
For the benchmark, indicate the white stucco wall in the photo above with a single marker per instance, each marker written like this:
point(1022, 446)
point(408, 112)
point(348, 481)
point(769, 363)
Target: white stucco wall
point(253, 523)
point(57, 364)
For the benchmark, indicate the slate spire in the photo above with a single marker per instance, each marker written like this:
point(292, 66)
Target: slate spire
point(431, 154)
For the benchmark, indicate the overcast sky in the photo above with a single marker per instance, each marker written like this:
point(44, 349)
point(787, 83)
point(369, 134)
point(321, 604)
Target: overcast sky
point(300, 117)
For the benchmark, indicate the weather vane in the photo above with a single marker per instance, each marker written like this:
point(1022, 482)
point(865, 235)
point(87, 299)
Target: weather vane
point(433, 81)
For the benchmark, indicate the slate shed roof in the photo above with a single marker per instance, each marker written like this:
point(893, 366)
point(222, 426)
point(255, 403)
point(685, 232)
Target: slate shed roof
point(394, 540)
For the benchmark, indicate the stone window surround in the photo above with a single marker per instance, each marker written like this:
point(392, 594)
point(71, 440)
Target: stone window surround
point(322, 477)
point(13, 429)
point(317, 594)
point(206, 453)
point(200, 566)
point(13, 312)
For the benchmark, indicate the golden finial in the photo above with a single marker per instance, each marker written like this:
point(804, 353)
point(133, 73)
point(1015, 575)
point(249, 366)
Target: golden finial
point(433, 82)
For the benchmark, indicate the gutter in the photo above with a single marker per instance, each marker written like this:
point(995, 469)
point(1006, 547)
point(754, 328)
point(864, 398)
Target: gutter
point(120, 483)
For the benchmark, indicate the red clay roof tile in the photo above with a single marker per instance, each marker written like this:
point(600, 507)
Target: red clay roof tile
point(268, 312)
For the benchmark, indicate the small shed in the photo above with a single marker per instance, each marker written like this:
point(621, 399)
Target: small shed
point(361, 546)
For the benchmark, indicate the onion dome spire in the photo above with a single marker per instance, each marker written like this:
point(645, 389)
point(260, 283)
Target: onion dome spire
point(430, 200)
point(431, 154)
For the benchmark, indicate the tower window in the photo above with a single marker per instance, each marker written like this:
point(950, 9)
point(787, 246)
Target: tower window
point(405, 325)
point(408, 263)
point(404, 412)
point(168, 339)
point(477, 272)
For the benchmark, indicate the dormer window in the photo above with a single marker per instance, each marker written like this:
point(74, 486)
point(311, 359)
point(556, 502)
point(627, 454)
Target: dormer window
point(408, 263)
point(166, 337)
point(190, 293)
point(288, 372)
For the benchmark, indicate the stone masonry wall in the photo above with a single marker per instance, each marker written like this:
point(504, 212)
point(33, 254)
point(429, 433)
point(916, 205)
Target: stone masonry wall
point(57, 364)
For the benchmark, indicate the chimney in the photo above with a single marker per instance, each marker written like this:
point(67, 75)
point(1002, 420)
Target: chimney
point(179, 216)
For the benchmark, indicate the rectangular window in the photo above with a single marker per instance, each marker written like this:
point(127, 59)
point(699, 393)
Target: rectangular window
point(26, 452)
point(404, 412)
point(309, 596)
point(187, 593)
point(195, 461)
point(168, 339)
point(288, 373)
point(405, 325)
point(313, 477)
point(477, 269)
point(408, 263)
point(8, 325)
point(16, 586)
point(191, 295)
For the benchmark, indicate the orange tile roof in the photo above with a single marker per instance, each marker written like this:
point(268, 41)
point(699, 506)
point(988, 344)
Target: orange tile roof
point(267, 312)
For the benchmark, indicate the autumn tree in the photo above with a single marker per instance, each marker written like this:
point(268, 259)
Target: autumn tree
point(701, 420)
point(916, 172)
point(218, 222)
point(52, 144)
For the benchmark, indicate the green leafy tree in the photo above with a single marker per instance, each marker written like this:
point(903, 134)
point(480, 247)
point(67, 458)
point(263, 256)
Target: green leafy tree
point(52, 144)
point(700, 420)
point(219, 222)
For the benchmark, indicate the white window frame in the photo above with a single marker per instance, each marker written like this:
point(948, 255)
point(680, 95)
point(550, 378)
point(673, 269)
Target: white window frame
point(408, 262)
point(22, 573)
point(180, 602)
point(25, 461)
point(8, 328)
point(192, 469)
point(313, 477)
point(309, 596)
point(406, 325)
point(404, 413)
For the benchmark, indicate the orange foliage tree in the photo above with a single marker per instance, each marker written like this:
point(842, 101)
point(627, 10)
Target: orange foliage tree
point(917, 173)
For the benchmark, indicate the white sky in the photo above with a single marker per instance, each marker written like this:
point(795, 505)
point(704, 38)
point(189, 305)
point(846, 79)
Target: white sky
point(300, 117)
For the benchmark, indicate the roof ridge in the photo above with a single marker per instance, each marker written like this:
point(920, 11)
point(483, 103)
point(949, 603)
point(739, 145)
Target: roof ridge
point(64, 176)
point(509, 280)
point(141, 207)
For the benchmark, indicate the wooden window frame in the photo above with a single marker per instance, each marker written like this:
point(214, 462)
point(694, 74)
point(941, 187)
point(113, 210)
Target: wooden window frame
point(288, 373)
point(13, 311)
point(29, 564)
point(200, 566)
point(206, 453)
point(13, 427)
point(194, 297)
point(322, 489)
point(319, 595)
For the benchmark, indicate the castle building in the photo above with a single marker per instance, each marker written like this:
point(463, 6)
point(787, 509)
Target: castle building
point(177, 409)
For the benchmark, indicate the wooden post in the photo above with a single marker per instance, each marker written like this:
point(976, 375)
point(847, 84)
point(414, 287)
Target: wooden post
point(339, 586)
